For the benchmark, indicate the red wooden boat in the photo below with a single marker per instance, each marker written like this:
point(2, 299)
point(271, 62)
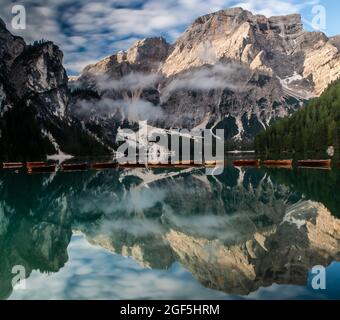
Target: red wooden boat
point(12, 165)
point(246, 163)
point(132, 165)
point(74, 167)
point(160, 165)
point(35, 164)
point(104, 165)
point(214, 163)
point(286, 164)
point(278, 162)
point(42, 169)
point(187, 164)
point(323, 164)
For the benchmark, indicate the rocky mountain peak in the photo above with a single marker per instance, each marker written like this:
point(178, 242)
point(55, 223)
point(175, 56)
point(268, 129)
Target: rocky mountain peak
point(236, 16)
point(234, 34)
point(38, 69)
point(230, 69)
point(144, 56)
point(277, 46)
point(35, 96)
point(10, 48)
point(149, 50)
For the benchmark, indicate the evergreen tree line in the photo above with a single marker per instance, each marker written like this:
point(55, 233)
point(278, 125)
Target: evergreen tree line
point(313, 128)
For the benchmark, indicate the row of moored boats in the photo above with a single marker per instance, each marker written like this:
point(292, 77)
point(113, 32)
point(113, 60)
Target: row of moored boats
point(47, 167)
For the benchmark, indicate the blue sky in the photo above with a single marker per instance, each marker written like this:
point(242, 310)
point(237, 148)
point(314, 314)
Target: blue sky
point(88, 30)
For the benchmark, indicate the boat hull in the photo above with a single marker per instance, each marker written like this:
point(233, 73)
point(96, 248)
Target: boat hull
point(12, 165)
point(42, 169)
point(104, 166)
point(281, 164)
point(246, 163)
point(132, 165)
point(323, 164)
point(35, 164)
point(74, 167)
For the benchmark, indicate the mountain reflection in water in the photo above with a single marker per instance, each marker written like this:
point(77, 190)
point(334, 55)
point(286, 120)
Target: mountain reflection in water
point(247, 233)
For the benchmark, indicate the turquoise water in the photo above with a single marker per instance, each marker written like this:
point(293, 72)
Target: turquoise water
point(170, 234)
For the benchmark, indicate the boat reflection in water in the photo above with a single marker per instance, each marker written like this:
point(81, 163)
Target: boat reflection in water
point(138, 233)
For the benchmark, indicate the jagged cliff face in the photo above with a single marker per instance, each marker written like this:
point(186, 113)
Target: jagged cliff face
point(34, 93)
point(39, 73)
point(145, 56)
point(230, 69)
point(10, 48)
point(279, 46)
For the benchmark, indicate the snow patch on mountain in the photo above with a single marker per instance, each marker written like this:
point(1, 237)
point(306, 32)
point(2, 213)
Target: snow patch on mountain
point(295, 91)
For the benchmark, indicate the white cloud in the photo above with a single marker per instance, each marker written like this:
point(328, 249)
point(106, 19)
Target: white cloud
point(94, 273)
point(219, 76)
point(134, 111)
point(132, 81)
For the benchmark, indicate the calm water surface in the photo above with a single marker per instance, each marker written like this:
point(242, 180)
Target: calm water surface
point(170, 234)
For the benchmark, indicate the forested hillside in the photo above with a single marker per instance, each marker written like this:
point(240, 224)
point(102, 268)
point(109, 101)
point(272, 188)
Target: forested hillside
point(313, 128)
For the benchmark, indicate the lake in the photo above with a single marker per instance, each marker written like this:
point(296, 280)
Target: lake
point(170, 234)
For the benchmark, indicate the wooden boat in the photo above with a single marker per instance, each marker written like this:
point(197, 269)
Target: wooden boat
point(12, 165)
point(132, 165)
point(246, 163)
point(279, 163)
point(187, 164)
point(104, 165)
point(46, 168)
point(74, 167)
point(160, 165)
point(214, 163)
point(324, 164)
point(35, 164)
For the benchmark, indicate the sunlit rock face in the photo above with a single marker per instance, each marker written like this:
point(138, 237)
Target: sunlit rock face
point(230, 69)
point(278, 46)
point(145, 56)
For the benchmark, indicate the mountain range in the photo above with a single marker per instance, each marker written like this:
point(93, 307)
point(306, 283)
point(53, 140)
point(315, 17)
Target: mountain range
point(229, 70)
